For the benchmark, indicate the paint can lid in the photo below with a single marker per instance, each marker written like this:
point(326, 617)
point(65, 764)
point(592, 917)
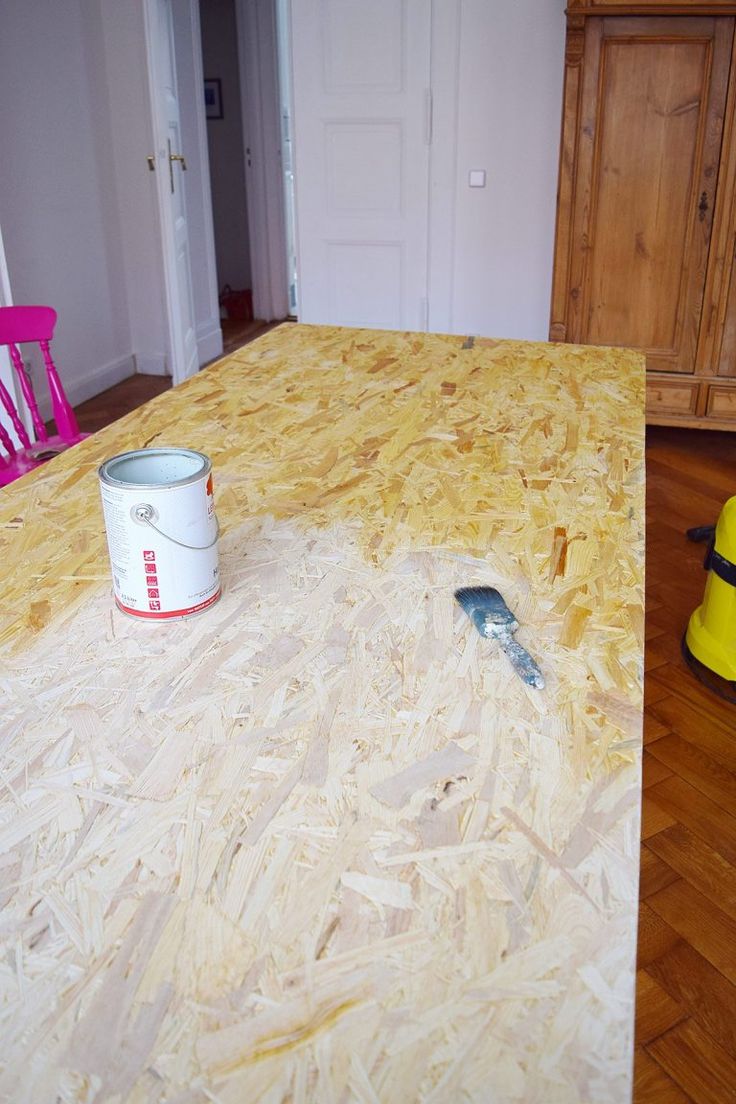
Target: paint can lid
point(156, 467)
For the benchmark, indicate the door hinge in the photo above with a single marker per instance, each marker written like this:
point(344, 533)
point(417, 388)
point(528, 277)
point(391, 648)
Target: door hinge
point(428, 113)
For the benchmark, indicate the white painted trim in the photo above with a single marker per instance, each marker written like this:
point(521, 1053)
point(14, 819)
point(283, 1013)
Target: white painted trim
point(205, 326)
point(92, 383)
point(444, 79)
point(175, 339)
point(7, 374)
point(163, 209)
point(151, 364)
point(209, 342)
point(259, 91)
point(6, 297)
point(285, 62)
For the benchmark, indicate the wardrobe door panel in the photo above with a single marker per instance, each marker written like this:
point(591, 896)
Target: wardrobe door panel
point(653, 99)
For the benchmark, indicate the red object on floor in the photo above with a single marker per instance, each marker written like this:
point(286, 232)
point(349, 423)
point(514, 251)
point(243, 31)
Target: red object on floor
point(238, 304)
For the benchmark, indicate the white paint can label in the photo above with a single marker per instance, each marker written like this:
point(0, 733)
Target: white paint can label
point(161, 532)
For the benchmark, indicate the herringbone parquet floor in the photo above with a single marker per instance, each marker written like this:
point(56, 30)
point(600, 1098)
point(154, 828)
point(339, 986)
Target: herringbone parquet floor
point(686, 983)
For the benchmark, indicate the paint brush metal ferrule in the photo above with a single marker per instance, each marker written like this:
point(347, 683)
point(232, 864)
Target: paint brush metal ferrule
point(486, 608)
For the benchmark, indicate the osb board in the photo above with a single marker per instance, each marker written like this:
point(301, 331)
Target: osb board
point(321, 844)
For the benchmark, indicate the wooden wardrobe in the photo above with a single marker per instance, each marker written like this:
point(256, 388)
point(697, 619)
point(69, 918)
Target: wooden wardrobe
point(646, 209)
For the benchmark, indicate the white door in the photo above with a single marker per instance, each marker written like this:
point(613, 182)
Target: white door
point(170, 180)
point(362, 127)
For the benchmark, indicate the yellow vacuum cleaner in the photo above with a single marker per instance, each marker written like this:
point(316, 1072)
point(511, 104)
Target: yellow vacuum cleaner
point(711, 633)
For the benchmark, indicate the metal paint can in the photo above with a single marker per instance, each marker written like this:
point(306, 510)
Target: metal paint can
point(161, 532)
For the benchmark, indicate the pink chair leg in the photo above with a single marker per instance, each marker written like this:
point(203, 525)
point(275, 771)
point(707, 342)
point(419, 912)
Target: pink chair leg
point(18, 426)
point(30, 398)
point(66, 423)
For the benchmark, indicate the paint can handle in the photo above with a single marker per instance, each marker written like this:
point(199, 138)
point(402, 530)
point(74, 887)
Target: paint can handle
point(145, 513)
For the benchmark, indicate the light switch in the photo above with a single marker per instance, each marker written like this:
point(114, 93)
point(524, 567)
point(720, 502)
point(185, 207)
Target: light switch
point(477, 178)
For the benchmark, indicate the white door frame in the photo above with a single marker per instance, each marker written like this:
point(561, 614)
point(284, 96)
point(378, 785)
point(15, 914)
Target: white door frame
point(199, 190)
point(7, 372)
point(7, 375)
point(6, 297)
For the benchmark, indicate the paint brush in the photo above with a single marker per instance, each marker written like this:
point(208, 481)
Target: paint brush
point(493, 619)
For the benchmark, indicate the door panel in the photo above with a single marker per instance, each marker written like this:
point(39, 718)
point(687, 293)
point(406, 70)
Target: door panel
point(649, 148)
point(726, 357)
point(361, 85)
point(365, 281)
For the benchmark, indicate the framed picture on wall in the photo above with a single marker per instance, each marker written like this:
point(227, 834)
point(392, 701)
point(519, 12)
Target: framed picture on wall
point(213, 98)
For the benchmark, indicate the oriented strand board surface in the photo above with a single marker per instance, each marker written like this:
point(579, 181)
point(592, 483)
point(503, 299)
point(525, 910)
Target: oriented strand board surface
point(320, 844)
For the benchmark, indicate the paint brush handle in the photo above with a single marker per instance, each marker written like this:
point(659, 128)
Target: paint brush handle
point(522, 662)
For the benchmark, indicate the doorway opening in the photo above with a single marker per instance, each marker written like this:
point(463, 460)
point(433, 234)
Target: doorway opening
point(248, 120)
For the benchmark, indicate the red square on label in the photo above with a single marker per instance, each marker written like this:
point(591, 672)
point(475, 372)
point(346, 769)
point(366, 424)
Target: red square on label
point(153, 592)
point(154, 605)
point(149, 555)
point(151, 580)
point(150, 568)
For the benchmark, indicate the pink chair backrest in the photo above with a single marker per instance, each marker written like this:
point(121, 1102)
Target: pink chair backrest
point(17, 326)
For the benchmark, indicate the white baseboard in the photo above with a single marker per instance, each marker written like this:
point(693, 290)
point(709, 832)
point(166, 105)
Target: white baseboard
point(151, 364)
point(90, 384)
point(209, 341)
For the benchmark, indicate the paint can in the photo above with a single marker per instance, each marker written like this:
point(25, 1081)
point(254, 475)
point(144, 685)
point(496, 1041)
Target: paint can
point(161, 532)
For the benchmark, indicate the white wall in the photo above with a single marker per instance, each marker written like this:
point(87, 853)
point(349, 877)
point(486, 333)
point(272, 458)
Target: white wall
point(58, 207)
point(76, 201)
point(225, 140)
point(497, 79)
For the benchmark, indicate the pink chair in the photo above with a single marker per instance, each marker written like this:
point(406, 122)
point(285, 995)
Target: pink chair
point(19, 325)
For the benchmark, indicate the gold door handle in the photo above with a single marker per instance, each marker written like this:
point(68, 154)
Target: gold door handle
point(172, 158)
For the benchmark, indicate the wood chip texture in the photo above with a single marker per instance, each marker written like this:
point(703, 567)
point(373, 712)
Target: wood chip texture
point(320, 844)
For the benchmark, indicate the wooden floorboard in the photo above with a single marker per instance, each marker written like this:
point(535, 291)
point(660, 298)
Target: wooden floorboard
point(686, 1010)
point(698, 921)
point(700, 865)
point(112, 404)
point(702, 1069)
point(651, 1083)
